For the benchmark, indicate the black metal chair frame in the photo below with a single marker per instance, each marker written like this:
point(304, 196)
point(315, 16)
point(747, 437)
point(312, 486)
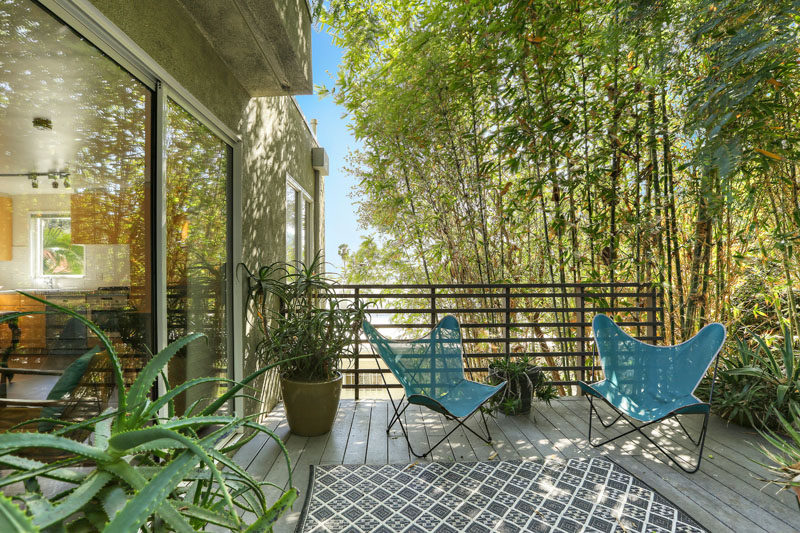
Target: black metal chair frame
point(399, 409)
point(701, 440)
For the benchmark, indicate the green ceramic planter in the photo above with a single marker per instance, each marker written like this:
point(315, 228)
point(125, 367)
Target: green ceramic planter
point(311, 407)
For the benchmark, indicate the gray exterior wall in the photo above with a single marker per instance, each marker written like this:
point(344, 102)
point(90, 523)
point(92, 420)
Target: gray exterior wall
point(276, 140)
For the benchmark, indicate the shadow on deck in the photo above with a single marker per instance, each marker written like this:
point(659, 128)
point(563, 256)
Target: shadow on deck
point(725, 495)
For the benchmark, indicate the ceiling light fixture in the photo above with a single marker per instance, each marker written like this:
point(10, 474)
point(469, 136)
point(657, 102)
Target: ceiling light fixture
point(42, 123)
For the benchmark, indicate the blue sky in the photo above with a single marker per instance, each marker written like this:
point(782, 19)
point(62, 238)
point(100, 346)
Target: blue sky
point(340, 218)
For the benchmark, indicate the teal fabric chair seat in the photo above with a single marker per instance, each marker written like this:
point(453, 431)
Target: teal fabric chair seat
point(431, 372)
point(650, 384)
point(458, 401)
point(651, 408)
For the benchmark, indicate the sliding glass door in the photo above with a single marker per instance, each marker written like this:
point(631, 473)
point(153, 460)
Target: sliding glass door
point(78, 194)
point(75, 210)
point(197, 185)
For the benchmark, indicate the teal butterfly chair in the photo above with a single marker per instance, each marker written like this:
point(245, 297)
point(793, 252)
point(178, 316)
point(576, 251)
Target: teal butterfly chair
point(648, 384)
point(431, 371)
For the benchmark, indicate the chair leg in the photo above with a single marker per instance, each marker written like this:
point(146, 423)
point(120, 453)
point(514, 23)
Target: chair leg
point(700, 441)
point(459, 423)
point(397, 413)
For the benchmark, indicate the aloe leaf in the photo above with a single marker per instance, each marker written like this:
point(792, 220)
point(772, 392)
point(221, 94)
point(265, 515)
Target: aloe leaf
point(113, 501)
point(39, 420)
point(102, 432)
point(172, 393)
point(31, 469)
point(20, 314)
point(104, 340)
point(140, 388)
point(65, 385)
point(12, 441)
point(124, 441)
point(157, 445)
point(12, 519)
point(219, 402)
point(75, 501)
point(198, 421)
point(205, 515)
point(268, 519)
point(151, 495)
point(108, 414)
point(278, 440)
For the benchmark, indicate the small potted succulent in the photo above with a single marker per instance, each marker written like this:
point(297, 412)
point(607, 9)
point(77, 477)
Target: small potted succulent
point(525, 381)
point(785, 455)
point(302, 320)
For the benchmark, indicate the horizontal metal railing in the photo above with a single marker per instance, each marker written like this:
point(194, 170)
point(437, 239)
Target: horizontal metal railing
point(550, 322)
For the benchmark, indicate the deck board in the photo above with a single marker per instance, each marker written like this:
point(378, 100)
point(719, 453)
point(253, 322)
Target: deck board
point(725, 495)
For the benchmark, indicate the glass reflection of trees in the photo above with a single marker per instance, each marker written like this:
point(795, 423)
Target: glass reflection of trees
point(100, 117)
point(197, 174)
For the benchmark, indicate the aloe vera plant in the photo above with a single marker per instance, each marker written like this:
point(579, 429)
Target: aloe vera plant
point(139, 471)
point(784, 455)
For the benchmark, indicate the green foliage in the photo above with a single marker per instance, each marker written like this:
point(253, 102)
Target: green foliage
point(523, 377)
point(307, 330)
point(59, 256)
point(758, 382)
point(784, 456)
point(140, 470)
point(555, 142)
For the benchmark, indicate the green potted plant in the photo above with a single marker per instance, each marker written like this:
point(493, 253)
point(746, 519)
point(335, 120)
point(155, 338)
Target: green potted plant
point(143, 468)
point(300, 318)
point(525, 381)
point(785, 455)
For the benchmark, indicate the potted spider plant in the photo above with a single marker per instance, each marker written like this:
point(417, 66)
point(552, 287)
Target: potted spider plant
point(300, 317)
point(524, 382)
point(784, 457)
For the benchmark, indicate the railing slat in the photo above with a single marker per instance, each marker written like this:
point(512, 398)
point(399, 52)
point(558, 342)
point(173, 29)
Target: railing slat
point(479, 307)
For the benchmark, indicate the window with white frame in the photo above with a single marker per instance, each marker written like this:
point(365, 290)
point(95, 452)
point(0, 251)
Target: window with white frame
point(53, 251)
point(299, 223)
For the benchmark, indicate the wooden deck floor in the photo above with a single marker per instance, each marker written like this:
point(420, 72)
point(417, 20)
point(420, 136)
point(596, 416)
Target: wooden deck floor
point(725, 495)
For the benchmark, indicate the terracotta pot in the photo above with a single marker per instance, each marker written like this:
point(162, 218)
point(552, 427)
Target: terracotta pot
point(311, 407)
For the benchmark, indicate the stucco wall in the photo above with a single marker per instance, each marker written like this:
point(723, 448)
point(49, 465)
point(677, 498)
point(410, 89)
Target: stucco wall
point(275, 138)
point(276, 143)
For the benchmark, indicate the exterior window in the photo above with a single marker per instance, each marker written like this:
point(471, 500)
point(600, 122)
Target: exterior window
point(55, 255)
point(299, 226)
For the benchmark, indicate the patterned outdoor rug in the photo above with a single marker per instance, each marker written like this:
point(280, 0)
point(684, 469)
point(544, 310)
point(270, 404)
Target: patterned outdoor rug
point(576, 495)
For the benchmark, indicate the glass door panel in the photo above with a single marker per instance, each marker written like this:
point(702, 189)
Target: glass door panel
point(198, 173)
point(75, 220)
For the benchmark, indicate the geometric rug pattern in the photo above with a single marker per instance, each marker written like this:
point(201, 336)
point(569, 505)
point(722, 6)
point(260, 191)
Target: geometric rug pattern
point(582, 494)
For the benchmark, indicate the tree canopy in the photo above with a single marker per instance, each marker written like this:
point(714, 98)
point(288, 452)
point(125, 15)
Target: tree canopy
point(581, 140)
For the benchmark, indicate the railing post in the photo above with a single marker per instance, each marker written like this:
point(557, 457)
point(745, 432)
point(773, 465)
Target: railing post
point(433, 307)
point(356, 379)
point(581, 305)
point(652, 316)
point(508, 323)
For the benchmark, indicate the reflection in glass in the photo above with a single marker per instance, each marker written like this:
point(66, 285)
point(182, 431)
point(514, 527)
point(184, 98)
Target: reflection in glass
point(55, 253)
point(74, 207)
point(198, 166)
point(291, 224)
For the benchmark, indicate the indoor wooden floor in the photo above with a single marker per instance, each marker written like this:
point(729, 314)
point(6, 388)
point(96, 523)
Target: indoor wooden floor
point(725, 495)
